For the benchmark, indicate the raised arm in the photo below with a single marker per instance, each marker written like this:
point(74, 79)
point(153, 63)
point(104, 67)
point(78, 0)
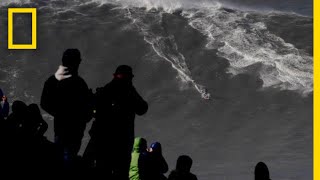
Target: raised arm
point(140, 105)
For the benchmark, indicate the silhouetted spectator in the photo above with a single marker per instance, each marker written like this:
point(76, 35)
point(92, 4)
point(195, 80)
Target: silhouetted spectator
point(261, 172)
point(16, 119)
point(182, 171)
point(4, 111)
point(4, 106)
point(35, 126)
point(66, 97)
point(156, 165)
point(137, 164)
point(13, 136)
point(117, 103)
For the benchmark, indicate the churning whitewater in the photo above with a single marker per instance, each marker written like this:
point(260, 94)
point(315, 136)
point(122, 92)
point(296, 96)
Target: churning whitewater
point(252, 58)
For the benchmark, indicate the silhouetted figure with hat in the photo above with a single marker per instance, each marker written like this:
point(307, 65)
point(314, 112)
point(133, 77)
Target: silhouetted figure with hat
point(155, 164)
point(261, 172)
point(116, 105)
point(182, 171)
point(67, 98)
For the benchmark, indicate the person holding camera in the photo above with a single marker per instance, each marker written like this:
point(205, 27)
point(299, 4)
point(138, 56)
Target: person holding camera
point(116, 105)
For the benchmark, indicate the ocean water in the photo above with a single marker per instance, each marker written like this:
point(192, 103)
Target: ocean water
point(229, 83)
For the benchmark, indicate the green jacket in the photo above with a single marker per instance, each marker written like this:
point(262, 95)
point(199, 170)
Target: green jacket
point(139, 144)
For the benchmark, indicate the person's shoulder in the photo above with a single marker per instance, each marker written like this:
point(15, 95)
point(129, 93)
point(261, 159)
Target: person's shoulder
point(105, 88)
point(78, 80)
point(144, 155)
point(51, 80)
point(100, 91)
point(193, 177)
point(173, 174)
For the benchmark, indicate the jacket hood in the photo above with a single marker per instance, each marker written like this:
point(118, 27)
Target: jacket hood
point(156, 148)
point(140, 144)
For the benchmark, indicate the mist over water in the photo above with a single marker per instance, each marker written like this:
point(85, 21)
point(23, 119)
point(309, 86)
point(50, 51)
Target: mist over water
point(252, 59)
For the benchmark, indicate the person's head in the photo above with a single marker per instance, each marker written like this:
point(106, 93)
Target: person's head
point(140, 144)
point(261, 172)
point(19, 107)
point(34, 110)
point(184, 164)
point(2, 96)
point(156, 148)
point(71, 59)
point(123, 74)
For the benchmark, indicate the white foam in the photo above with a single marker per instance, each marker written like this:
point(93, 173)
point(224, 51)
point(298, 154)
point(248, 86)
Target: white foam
point(6, 2)
point(242, 41)
point(165, 5)
point(245, 43)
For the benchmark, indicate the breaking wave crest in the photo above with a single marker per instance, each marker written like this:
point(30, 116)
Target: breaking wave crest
point(238, 37)
point(245, 42)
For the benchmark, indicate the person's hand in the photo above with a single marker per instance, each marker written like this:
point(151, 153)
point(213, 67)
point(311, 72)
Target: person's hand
point(132, 91)
point(62, 73)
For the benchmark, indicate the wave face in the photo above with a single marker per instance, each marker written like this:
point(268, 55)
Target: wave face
point(241, 37)
point(244, 40)
point(229, 83)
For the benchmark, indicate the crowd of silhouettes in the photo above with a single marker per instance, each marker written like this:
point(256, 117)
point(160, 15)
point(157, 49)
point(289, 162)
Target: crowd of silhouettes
point(24, 145)
point(113, 152)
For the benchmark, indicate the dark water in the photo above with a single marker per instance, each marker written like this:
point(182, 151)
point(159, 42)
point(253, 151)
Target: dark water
point(256, 67)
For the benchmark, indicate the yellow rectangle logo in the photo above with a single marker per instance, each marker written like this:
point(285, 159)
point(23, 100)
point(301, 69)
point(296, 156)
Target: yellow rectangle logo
point(33, 44)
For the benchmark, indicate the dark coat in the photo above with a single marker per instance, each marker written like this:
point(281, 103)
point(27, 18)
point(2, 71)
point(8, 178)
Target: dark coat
point(154, 167)
point(112, 133)
point(69, 101)
point(116, 107)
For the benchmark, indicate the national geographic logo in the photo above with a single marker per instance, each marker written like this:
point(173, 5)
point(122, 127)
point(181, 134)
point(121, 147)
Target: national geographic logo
point(11, 12)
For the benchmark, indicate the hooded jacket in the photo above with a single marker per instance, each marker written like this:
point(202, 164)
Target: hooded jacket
point(67, 98)
point(136, 161)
